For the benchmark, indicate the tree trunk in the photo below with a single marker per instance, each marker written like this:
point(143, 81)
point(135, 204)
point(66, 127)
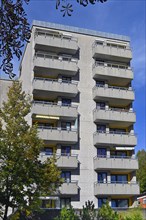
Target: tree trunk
point(5, 213)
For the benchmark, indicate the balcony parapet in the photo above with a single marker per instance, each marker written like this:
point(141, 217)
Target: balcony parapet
point(69, 188)
point(55, 57)
point(50, 34)
point(111, 71)
point(114, 114)
point(114, 138)
point(60, 41)
point(58, 134)
point(50, 108)
point(116, 188)
point(59, 86)
point(124, 94)
point(112, 49)
point(105, 162)
point(69, 161)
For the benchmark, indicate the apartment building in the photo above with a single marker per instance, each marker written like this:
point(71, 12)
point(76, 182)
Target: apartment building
point(5, 84)
point(80, 83)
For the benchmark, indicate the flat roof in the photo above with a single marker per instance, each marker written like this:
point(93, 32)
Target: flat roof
point(79, 30)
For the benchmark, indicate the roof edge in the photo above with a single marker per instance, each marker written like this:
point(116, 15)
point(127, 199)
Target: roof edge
point(80, 30)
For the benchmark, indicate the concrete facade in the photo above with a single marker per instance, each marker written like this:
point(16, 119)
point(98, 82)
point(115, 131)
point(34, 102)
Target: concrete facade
point(4, 88)
point(80, 83)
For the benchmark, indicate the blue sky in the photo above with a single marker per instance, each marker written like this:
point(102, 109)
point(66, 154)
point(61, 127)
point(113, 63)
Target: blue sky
point(125, 17)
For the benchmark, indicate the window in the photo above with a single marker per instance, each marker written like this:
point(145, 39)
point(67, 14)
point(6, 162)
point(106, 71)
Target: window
point(119, 203)
point(66, 102)
point(118, 154)
point(66, 79)
point(101, 152)
point(100, 83)
point(119, 178)
point(65, 202)
point(66, 125)
point(101, 128)
point(66, 150)
point(102, 177)
point(117, 130)
point(48, 204)
point(46, 125)
point(101, 201)
point(49, 151)
point(66, 175)
point(100, 105)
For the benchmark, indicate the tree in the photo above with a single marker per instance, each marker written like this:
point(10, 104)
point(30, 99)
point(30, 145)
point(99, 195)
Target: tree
point(107, 213)
point(141, 172)
point(67, 214)
point(23, 178)
point(88, 211)
point(15, 29)
point(132, 214)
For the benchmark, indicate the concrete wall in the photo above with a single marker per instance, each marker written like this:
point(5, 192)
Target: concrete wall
point(4, 88)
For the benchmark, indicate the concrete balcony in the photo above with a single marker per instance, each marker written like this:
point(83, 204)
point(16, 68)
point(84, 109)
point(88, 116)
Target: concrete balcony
point(123, 95)
point(55, 86)
point(127, 188)
point(51, 109)
point(69, 188)
point(117, 138)
point(63, 161)
point(56, 40)
point(111, 115)
point(58, 135)
point(113, 73)
point(115, 52)
point(115, 163)
point(59, 64)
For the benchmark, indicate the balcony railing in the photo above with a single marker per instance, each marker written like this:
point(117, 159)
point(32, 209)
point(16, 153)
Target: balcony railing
point(116, 188)
point(114, 109)
point(69, 161)
point(69, 187)
point(115, 157)
point(61, 87)
point(58, 134)
point(114, 51)
point(114, 137)
point(55, 57)
point(109, 114)
point(56, 80)
point(114, 162)
point(113, 87)
point(112, 65)
point(57, 128)
point(54, 35)
point(54, 104)
point(124, 94)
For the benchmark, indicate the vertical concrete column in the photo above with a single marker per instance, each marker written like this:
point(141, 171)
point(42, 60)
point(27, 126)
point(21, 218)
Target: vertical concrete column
point(58, 151)
point(108, 177)
point(110, 203)
point(59, 101)
point(108, 153)
point(107, 128)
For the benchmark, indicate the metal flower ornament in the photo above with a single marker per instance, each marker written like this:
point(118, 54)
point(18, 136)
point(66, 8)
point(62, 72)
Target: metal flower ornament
point(67, 8)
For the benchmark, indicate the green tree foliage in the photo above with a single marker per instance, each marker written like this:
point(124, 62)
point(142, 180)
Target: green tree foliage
point(67, 214)
point(141, 172)
point(88, 211)
point(133, 214)
point(107, 213)
point(23, 178)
